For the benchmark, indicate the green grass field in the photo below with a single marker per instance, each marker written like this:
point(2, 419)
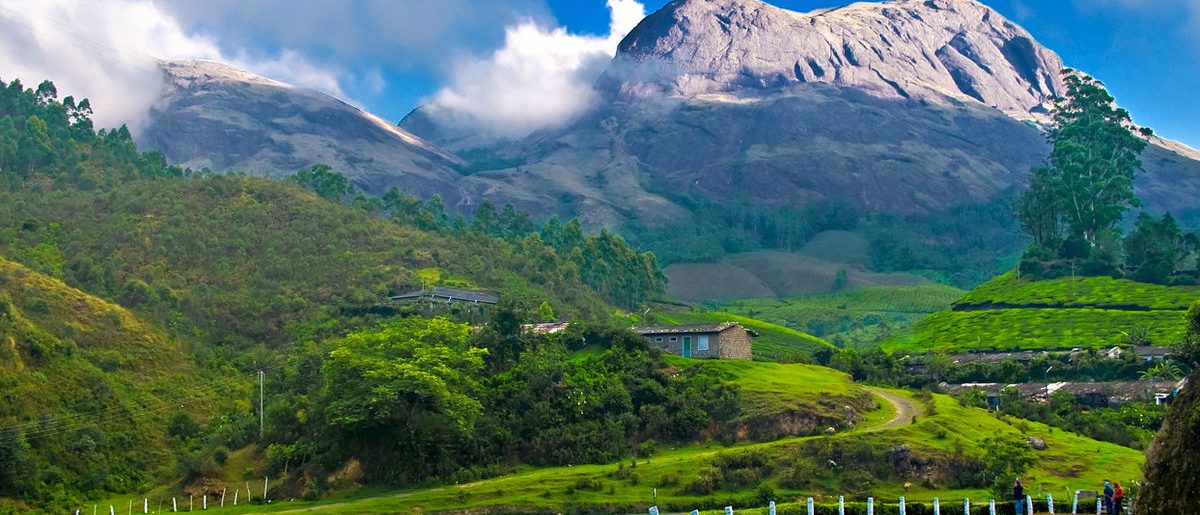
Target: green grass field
point(769, 389)
point(1081, 292)
point(774, 341)
point(1006, 314)
point(855, 318)
point(1069, 462)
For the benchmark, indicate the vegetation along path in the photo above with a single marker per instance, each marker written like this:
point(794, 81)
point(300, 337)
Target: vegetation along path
point(906, 409)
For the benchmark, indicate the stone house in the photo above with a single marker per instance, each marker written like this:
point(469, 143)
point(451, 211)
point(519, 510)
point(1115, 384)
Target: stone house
point(727, 340)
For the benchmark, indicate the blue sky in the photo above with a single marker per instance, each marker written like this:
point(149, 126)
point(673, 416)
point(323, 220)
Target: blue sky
point(389, 56)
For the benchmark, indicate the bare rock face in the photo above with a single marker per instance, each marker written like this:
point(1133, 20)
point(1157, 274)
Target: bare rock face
point(217, 116)
point(910, 49)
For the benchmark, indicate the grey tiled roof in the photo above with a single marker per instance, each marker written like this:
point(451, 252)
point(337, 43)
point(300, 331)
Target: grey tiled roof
point(684, 329)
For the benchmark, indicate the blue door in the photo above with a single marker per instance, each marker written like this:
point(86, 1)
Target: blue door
point(687, 346)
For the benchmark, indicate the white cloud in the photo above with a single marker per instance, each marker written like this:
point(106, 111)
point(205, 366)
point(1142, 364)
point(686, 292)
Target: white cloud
point(106, 50)
point(541, 77)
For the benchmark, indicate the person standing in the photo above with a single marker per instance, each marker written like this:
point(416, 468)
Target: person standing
point(1108, 497)
point(1118, 498)
point(1019, 497)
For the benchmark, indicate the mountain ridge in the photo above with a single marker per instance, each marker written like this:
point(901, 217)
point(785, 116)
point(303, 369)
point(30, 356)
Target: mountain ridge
point(955, 48)
point(714, 135)
point(217, 116)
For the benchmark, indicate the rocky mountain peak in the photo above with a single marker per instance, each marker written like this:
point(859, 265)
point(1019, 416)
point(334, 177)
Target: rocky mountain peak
point(906, 49)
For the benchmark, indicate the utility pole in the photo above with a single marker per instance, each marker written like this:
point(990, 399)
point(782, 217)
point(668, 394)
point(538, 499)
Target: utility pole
point(261, 414)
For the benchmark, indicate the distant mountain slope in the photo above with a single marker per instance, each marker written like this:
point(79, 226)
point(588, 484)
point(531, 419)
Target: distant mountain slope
point(216, 116)
point(734, 124)
point(723, 126)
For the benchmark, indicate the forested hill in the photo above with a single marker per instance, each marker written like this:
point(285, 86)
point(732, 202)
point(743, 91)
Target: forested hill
point(232, 258)
point(224, 274)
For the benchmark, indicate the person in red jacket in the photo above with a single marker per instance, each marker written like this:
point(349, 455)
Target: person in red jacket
point(1118, 497)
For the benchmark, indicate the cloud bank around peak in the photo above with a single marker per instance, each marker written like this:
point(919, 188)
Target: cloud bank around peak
point(108, 51)
point(540, 77)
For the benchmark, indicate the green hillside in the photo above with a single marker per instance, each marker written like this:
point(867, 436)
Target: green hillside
point(147, 296)
point(852, 318)
point(773, 343)
point(1097, 292)
point(85, 382)
point(789, 399)
point(1064, 313)
point(942, 455)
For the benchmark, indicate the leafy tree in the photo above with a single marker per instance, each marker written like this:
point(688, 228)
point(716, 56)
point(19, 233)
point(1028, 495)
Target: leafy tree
point(403, 391)
point(1086, 185)
point(1154, 248)
point(322, 180)
point(1165, 371)
point(1007, 458)
point(17, 470)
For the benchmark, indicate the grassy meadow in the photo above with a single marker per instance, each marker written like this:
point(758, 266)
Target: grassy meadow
point(709, 476)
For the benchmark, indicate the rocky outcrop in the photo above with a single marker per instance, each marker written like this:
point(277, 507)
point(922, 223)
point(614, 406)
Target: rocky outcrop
point(217, 116)
point(907, 49)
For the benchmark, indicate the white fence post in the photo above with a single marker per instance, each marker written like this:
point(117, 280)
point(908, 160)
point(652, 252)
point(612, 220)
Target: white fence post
point(902, 510)
point(967, 506)
point(870, 506)
point(937, 509)
point(810, 507)
point(841, 505)
point(1050, 503)
point(992, 507)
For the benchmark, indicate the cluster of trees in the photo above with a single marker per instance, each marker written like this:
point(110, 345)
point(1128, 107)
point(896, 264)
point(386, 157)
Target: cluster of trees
point(416, 399)
point(925, 372)
point(44, 141)
point(1132, 424)
point(959, 247)
point(1076, 200)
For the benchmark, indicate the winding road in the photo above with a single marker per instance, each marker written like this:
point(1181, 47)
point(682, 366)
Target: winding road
point(906, 409)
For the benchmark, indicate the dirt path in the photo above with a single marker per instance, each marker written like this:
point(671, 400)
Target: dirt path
point(906, 409)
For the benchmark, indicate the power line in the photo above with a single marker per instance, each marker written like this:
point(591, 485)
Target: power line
point(62, 424)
